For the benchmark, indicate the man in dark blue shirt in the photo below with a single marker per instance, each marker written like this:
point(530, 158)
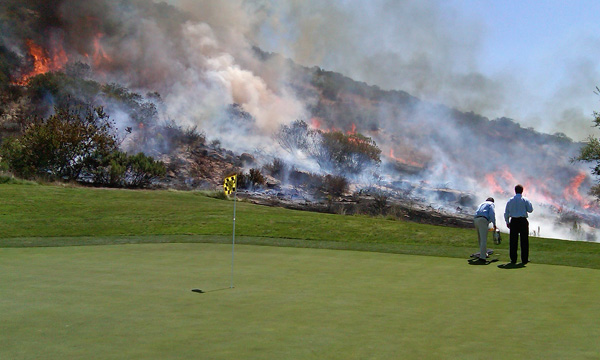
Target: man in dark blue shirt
point(515, 216)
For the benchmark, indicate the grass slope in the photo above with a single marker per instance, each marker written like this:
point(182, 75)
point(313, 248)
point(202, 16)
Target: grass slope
point(134, 302)
point(34, 215)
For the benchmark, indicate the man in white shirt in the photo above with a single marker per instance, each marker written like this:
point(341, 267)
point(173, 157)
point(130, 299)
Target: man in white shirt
point(515, 216)
point(485, 214)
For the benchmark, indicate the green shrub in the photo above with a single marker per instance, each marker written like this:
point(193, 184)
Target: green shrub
point(77, 145)
point(62, 146)
point(134, 171)
point(141, 170)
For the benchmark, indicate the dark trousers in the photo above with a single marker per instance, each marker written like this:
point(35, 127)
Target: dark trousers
point(519, 227)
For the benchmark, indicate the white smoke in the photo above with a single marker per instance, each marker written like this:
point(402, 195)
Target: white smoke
point(204, 61)
point(201, 62)
point(432, 51)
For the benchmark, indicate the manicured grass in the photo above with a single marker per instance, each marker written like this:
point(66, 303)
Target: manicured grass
point(135, 302)
point(34, 215)
point(131, 297)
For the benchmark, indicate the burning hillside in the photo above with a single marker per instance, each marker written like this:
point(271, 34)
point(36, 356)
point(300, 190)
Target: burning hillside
point(202, 72)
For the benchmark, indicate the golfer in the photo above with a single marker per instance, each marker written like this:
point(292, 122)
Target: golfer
point(515, 216)
point(485, 214)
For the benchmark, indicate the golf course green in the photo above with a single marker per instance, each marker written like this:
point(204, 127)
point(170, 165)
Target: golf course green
point(135, 302)
point(109, 274)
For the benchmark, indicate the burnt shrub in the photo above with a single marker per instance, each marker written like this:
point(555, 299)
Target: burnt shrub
point(297, 136)
point(305, 179)
point(380, 203)
point(342, 153)
point(350, 153)
point(251, 180)
point(256, 178)
point(243, 181)
point(276, 169)
point(334, 185)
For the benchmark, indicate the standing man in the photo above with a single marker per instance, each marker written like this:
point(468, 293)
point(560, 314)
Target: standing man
point(516, 220)
point(485, 214)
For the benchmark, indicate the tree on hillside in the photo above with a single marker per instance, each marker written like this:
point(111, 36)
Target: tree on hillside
point(590, 152)
point(342, 153)
point(297, 136)
point(349, 153)
point(57, 89)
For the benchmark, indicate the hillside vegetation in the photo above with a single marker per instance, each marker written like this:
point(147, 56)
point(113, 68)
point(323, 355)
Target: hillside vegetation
point(40, 215)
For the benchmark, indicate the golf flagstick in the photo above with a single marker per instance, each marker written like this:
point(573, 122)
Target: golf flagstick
point(230, 186)
point(233, 239)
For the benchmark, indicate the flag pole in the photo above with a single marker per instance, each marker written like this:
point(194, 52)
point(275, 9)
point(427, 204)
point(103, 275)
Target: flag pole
point(233, 239)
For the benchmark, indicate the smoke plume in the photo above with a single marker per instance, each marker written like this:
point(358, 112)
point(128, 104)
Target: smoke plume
point(202, 57)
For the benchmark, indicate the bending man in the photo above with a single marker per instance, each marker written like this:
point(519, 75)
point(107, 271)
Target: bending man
point(485, 214)
point(516, 220)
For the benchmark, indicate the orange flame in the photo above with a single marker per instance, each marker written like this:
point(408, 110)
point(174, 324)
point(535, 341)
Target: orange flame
point(500, 182)
point(100, 55)
point(353, 130)
point(494, 186)
point(315, 123)
point(504, 175)
point(403, 161)
point(540, 193)
point(43, 60)
point(572, 191)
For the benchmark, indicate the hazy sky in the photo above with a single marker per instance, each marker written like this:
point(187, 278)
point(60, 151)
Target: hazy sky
point(553, 50)
point(523, 32)
point(534, 61)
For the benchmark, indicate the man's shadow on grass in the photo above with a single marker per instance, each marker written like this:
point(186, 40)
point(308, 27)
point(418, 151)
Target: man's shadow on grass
point(481, 261)
point(509, 266)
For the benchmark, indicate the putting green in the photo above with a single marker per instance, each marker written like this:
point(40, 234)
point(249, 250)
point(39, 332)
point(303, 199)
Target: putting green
point(135, 302)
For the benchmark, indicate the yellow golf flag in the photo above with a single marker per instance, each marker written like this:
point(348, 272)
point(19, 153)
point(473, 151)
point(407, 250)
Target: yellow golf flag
point(229, 184)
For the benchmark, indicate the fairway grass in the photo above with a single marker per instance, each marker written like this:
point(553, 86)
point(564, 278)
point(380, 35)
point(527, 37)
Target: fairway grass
point(36, 215)
point(135, 302)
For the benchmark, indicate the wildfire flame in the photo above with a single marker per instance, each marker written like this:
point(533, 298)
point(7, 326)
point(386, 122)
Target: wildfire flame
point(572, 191)
point(353, 130)
point(403, 161)
point(55, 57)
point(100, 56)
point(505, 177)
point(493, 184)
point(500, 181)
point(44, 61)
point(315, 123)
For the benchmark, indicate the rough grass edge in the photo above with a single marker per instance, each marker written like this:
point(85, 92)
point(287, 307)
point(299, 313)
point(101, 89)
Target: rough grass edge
point(461, 252)
point(10, 179)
